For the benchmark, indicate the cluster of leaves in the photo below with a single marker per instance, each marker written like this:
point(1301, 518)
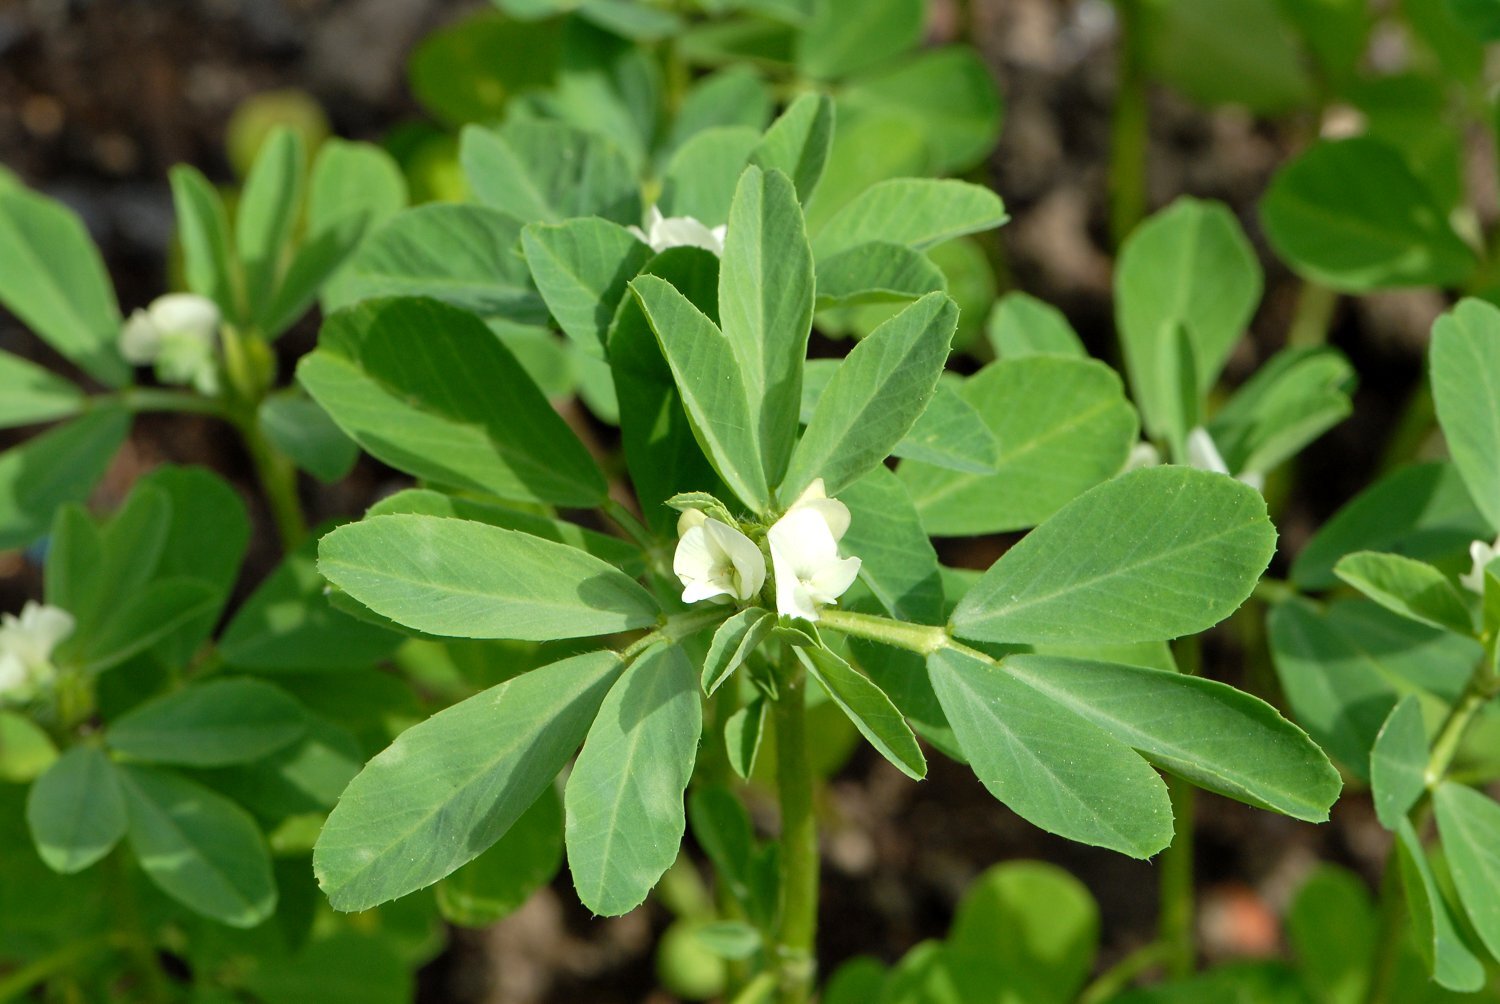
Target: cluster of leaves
point(1381, 201)
point(209, 756)
point(1397, 681)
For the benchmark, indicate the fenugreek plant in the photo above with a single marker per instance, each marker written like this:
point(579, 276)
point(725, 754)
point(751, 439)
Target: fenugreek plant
point(780, 565)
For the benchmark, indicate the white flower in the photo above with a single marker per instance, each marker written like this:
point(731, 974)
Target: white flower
point(178, 334)
point(805, 554)
point(714, 559)
point(1204, 455)
point(663, 232)
point(1482, 554)
point(26, 644)
point(1142, 454)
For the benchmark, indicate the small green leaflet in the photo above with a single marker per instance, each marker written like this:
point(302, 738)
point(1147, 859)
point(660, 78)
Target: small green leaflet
point(448, 788)
point(76, 810)
point(1465, 363)
point(1052, 767)
point(1398, 762)
point(625, 816)
point(1153, 554)
point(461, 579)
point(1411, 588)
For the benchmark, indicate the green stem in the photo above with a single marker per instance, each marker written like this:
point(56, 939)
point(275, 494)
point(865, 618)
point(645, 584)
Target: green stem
point(1482, 688)
point(919, 638)
point(1412, 429)
point(1129, 128)
point(1392, 933)
point(139, 399)
point(1175, 922)
point(278, 479)
point(1175, 925)
point(758, 991)
point(626, 521)
point(1315, 306)
point(675, 628)
point(20, 982)
point(1117, 977)
point(795, 960)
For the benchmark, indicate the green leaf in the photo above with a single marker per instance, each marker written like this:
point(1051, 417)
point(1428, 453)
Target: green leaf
point(1215, 736)
point(1398, 762)
point(202, 850)
point(1154, 554)
point(661, 449)
point(211, 724)
point(766, 289)
point(209, 261)
point(469, 70)
point(625, 816)
point(76, 810)
point(26, 751)
point(798, 142)
point(876, 272)
point(1413, 589)
point(1465, 364)
point(702, 175)
point(267, 211)
point(1027, 926)
point(951, 434)
point(1440, 942)
point(548, 172)
point(620, 553)
point(355, 183)
point(1351, 215)
point(1021, 325)
point(354, 188)
point(1239, 52)
point(299, 427)
point(448, 788)
point(345, 965)
point(849, 35)
point(1332, 930)
point(1469, 822)
point(152, 615)
point(1050, 766)
point(712, 385)
point(1422, 512)
point(1344, 667)
point(30, 394)
point(868, 708)
point(946, 96)
point(732, 644)
point(742, 735)
point(429, 389)
point(736, 97)
point(53, 279)
point(916, 212)
point(897, 560)
point(874, 398)
point(463, 255)
point(609, 87)
point(495, 884)
point(47, 471)
point(460, 579)
point(581, 268)
point(1291, 400)
point(1063, 426)
point(1187, 269)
